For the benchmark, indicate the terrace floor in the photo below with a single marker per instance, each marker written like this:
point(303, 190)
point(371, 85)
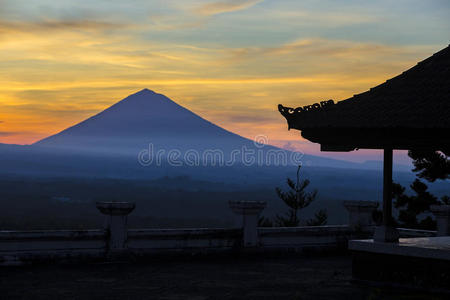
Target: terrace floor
point(263, 278)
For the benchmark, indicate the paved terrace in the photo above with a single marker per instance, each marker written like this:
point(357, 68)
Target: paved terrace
point(249, 262)
point(315, 277)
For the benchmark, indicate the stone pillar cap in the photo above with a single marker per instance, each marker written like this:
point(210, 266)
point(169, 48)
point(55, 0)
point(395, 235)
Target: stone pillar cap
point(361, 203)
point(115, 208)
point(247, 207)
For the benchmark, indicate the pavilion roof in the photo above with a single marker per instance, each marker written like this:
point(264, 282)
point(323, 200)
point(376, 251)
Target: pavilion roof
point(417, 100)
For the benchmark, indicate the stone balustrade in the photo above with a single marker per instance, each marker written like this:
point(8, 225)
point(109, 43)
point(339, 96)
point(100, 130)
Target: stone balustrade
point(116, 241)
point(19, 247)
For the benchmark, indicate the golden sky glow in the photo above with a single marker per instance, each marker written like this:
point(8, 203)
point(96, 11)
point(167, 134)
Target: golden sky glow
point(231, 62)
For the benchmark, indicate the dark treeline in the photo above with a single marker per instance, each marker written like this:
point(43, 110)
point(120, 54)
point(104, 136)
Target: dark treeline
point(63, 203)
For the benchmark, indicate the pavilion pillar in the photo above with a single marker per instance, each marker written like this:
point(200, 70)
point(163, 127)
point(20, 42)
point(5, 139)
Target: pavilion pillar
point(387, 232)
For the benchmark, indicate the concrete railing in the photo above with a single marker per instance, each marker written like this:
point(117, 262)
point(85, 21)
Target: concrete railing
point(308, 237)
point(117, 241)
point(197, 240)
point(17, 247)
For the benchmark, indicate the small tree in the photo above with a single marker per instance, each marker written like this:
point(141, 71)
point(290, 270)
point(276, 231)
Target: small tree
point(265, 222)
point(430, 165)
point(320, 218)
point(296, 198)
point(412, 206)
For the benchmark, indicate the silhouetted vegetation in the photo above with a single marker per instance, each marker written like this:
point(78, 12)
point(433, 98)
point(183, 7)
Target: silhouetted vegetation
point(296, 199)
point(410, 207)
point(265, 222)
point(414, 209)
point(36, 202)
point(320, 218)
point(431, 165)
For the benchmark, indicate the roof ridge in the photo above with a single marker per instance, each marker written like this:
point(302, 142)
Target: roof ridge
point(417, 97)
point(445, 51)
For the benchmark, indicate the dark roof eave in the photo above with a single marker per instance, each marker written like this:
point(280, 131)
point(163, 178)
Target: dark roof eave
point(348, 139)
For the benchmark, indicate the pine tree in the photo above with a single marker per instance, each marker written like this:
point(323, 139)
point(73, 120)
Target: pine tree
point(431, 166)
point(320, 218)
point(296, 198)
point(412, 206)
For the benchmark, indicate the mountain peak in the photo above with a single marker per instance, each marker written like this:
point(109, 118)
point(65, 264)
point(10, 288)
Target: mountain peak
point(144, 97)
point(143, 117)
point(143, 93)
point(146, 91)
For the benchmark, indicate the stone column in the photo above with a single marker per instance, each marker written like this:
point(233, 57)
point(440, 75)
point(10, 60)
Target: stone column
point(442, 214)
point(387, 233)
point(250, 211)
point(116, 223)
point(360, 213)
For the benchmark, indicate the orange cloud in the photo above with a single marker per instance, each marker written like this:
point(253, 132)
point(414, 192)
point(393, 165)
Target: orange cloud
point(220, 7)
point(50, 82)
point(45, 26)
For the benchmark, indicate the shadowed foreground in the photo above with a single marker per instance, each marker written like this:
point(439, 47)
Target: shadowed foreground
point(271, 278)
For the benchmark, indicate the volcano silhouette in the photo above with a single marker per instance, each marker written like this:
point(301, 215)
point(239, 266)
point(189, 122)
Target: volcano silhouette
point(148, 119)
point(126, 139)
point(141, 119)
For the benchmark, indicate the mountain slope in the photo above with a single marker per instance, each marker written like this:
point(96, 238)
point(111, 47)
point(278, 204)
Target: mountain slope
point(142, 118)
point(147, 119)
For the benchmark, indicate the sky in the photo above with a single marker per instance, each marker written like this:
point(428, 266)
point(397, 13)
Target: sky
point(232, 62)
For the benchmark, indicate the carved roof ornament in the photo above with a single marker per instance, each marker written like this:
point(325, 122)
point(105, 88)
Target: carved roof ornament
point(314, 107)
point(289, 112)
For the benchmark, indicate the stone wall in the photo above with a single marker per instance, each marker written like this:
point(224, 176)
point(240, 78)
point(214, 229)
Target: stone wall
point(196, 240)
point(116, 241)
point(309, 237)
point(18, 247)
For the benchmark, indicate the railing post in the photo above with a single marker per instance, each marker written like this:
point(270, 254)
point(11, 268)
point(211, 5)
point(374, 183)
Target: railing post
point(250, 211)
point(360, 213)
point(116, 224)
point(442, 214)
